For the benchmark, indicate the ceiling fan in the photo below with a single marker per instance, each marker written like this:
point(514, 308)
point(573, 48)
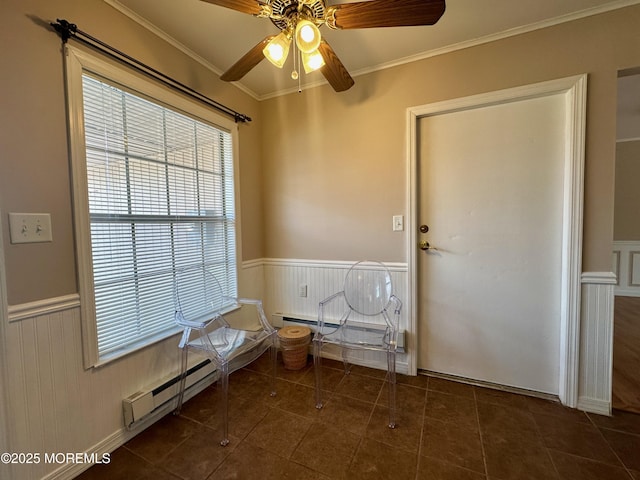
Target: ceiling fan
point(299, 22)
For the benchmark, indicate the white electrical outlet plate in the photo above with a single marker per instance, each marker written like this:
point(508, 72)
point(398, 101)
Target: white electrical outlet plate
point(30, 227)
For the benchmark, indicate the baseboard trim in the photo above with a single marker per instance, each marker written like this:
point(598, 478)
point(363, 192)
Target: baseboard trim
point(120, 437)
point(593, 405)
point(401, 367)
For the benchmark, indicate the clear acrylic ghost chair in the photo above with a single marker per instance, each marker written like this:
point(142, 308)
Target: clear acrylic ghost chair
point(347, 319)
point(199, 301)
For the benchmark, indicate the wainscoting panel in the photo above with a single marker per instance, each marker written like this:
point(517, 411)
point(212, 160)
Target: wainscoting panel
point(596, 342)
point(55, 405)
point(626, 266)
point(58, 407)
point(285, 281)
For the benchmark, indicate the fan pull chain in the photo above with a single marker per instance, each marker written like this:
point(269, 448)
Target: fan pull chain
point(294, 74)
point(299, 62)
point(296, 63)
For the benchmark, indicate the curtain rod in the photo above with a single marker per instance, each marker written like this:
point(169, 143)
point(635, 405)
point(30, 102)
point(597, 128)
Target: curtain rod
point(68, 30)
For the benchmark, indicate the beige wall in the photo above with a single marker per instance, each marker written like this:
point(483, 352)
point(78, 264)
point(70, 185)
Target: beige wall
point(627, 199)
point(338, 172)
point(334, 165)
point(34, 168)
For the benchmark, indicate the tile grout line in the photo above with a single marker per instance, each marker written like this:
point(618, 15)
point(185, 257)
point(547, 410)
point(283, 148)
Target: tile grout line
point(330, 397)
point(544, 444)
point(484, 455)
point(421, 442)
point(624, 465)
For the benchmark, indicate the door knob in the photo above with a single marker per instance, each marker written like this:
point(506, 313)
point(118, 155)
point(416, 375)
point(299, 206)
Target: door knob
point(424, 245)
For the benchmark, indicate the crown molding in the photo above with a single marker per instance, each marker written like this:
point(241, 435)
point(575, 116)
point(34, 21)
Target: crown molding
point(382, 66)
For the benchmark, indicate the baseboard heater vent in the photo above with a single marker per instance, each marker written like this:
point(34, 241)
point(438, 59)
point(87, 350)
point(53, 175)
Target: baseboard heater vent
point(138, 406)
point(280, 320)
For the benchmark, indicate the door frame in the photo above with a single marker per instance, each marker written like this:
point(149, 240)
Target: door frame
point(574, 90)
point(5, 445)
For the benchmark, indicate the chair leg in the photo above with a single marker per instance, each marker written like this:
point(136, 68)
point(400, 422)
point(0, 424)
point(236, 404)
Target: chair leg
point(345, 361)
point(317, 369)
point(273, 352)
point(224, 379)
point(391, 367)
point(183, 380)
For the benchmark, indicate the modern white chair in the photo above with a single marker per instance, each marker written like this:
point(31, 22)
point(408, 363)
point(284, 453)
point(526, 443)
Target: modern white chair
point(199, 311)
point(363, 316)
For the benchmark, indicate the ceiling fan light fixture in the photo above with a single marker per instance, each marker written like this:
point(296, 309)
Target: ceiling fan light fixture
point(312, 61)
point(307, 36)
point(277, 49)
point(299, 22)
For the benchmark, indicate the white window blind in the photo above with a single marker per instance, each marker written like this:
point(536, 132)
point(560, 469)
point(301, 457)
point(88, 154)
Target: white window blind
point(161, 197)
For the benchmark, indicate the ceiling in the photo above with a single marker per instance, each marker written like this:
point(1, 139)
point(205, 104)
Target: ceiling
point(217, 36)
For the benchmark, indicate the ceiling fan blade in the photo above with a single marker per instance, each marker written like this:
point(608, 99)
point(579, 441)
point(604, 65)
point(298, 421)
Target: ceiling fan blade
point(252, 7)
point(385, 13)
point(249, 60)
point(334, 70)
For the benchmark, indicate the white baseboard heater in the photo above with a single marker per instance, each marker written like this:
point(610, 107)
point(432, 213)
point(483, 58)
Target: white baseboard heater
point(138, 406)
point(280, 320)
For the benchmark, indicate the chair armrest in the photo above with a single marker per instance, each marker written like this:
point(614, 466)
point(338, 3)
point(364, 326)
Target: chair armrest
point(199, 323)
point(259, 309)
point(397, 304)
point(324, 303)
point(331, 299)
point(393, 320)
point(248, 301)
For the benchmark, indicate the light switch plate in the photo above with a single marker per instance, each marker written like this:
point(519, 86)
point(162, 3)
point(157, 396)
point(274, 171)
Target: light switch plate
point(30, 227)
point(398, 223)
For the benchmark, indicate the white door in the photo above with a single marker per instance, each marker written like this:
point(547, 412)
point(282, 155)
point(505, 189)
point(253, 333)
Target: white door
point(490, 190)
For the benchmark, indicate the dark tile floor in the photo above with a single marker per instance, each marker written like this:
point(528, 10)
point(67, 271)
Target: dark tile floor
point(446, 431)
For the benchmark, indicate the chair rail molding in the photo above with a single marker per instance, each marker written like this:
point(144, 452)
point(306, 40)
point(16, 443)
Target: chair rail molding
point(46, 306)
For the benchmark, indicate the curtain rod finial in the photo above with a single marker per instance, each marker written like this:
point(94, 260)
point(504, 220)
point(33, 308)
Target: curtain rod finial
point(64, 28)
point(241, 117)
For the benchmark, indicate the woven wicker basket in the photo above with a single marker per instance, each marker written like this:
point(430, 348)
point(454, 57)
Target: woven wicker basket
point(294, 342)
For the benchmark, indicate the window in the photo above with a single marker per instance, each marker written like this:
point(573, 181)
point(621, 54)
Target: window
point(156, 194)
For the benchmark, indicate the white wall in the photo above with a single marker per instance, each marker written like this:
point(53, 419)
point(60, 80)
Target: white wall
point(596, 342)
point(56, 405)
point(283, 278)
